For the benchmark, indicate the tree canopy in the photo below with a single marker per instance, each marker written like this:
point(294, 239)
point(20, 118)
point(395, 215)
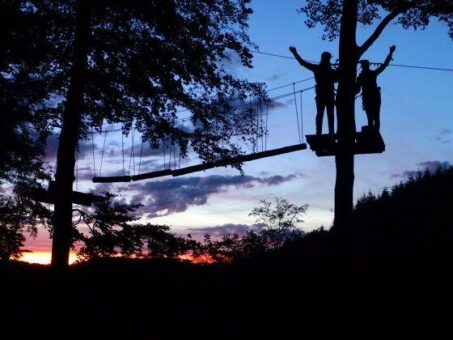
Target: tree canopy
point(25, 78)
point(414, 13)
point(140, 64)
point(149, 60)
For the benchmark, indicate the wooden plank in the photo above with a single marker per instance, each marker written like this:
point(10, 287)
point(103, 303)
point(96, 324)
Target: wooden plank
point(48, 196)
point(153, 174)
point(111, 179)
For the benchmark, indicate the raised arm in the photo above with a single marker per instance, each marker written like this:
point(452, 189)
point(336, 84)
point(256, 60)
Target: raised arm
point(387, 60)
point(306, 64)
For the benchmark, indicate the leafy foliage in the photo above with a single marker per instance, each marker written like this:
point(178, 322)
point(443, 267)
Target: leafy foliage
point(277, 226)
point(19, 216)
point(415, 14)
point(148, 60)
point(111, 229)
point(25, 78)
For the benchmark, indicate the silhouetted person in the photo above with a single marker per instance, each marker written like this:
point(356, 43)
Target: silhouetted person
point(325, 77)
point(371, 93)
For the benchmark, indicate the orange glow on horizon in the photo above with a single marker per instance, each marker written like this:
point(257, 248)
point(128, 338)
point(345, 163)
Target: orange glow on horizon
point(43, 257)
point(206, 259)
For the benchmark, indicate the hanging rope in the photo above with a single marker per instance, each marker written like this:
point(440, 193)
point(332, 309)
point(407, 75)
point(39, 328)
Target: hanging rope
point(301, 116)
point(94, 158)
point(297, 113)
point(132, 149)
point(77, 168)
point(260, 112)
point(266, 131)
point(102, 153)
point(122, 151)
point(140, 157)
point(174, 154)
point(182, 129)
point(163, 151)
point(257, 137)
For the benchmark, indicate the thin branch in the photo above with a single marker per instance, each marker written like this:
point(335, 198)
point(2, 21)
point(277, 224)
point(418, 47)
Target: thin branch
point(379, 29)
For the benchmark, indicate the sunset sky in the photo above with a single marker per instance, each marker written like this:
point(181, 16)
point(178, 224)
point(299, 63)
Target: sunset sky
point(417, 126)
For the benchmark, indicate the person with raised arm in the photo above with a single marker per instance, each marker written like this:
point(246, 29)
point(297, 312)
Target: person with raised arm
point(371, 93)
point(325, 77)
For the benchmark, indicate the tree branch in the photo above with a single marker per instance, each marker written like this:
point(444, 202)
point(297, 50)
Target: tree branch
point(379, 29)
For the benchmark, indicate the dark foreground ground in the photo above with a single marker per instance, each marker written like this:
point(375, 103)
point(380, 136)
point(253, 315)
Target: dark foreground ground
point(389, 277)
point(281, 296)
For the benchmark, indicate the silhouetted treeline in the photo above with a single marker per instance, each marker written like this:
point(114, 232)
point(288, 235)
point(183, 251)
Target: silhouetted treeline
point(389, 275)
point(411, 218)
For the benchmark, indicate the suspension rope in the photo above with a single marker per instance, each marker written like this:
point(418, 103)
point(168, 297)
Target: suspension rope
point(163, 151)
point(132, 150)
point(94, 158)
point(77, 168)
point(102, 153)
point(182, 129)
point(140, 157)
point(257, 136)
point(174, 154)
point(261, 128)
point(169, 153)
point(430, 68)
point(266, 131)
point(297, 113)
point(122, 152)
point(301, 116)
point(188, 118)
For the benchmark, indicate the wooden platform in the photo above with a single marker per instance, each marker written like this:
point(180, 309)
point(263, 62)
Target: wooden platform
point(366, 142)
point(48, 196)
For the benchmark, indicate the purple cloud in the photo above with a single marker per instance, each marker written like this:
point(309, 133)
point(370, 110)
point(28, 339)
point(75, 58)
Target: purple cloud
point(431, 166)
point(85, 148)
point(161, 198)
point(225, 229)
point(444, 136)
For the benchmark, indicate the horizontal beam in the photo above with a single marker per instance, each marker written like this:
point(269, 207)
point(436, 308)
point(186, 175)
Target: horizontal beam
point(204, 166)
point(238, 159)
point(111, 179)
point(161, 173)
point(48, 196)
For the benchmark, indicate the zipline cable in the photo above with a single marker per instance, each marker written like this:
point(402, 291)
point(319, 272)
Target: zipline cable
point(297, 113)
point(430, 68)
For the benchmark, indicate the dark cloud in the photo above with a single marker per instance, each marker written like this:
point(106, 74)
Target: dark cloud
point(431, 166)
point(85, 148)
point(169, 196)
point(274, 77)
point(51, 149)
point(444, 136)
point(225, 229)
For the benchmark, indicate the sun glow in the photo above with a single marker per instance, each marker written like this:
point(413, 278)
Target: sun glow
point(43, 257)
point(202, 259)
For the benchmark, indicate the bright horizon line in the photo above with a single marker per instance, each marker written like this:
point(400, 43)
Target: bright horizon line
point(43, 257)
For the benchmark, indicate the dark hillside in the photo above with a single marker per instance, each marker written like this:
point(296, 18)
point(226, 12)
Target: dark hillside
point(389, 277)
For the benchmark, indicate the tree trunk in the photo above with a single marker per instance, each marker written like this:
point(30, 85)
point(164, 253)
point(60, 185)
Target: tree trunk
point(344, 159)
point(69, 136)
